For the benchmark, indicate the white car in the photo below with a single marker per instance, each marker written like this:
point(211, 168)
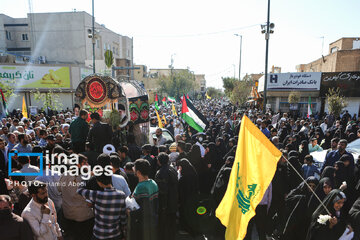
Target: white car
point(353, 148)
point(166, 134)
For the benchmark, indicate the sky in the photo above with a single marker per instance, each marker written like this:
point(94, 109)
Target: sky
point(199, 34)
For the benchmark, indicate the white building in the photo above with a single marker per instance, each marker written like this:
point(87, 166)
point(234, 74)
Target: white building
point(61, 39)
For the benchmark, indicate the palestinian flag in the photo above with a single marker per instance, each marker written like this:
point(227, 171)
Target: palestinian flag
point(164, 102)
point(4, 110)
point(192, 116)
point(156, 102)
point(171, 99)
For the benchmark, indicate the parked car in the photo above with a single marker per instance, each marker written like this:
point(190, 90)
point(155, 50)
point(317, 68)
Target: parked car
point(353, 148)
point(166, 134)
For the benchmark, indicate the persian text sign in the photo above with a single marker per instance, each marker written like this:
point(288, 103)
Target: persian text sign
point(35, 76)
point(347, 82)
point(292, 81)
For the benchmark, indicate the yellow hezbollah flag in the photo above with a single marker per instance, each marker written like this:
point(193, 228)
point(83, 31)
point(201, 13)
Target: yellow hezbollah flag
point(207, 96)
point(174, 109)
point(254, 167)
point(164, 119)
point(159, 120)
point(24, 111)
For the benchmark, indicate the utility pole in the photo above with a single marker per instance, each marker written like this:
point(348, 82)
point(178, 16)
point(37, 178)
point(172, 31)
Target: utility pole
point(132, 58)
point(240, 55)
point(93, 36)
point(267, 32)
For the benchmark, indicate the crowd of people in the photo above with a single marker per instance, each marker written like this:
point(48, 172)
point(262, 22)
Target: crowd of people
point(165, 188)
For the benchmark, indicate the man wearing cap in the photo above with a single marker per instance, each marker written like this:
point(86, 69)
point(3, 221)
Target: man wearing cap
point(100, 134)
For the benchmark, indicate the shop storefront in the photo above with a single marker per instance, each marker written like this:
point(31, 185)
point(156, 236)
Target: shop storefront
point(349, 85)
point(280, 85)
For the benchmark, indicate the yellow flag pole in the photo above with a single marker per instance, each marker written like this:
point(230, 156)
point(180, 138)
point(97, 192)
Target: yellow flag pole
point(321, 202)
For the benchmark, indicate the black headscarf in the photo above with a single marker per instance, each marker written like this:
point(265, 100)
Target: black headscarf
point(340, 173)
point(294, 179)
point(319, 191)
point(320, 231)
point(329, 172)
point(303, 189)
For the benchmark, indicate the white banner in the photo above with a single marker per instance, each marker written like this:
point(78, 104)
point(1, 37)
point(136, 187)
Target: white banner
point(292, 81)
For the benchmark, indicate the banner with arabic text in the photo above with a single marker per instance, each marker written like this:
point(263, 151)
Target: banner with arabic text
point(347, 82)
point(29, 76)
point(309, 81)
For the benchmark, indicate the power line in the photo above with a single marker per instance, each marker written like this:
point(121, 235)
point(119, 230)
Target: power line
point(199, 34)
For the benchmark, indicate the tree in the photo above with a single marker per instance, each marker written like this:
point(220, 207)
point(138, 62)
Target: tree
point(336, 102)
point(294, 97)
point(50, 99)
point(241, 91)
point(214, 92)
point(7, 88)
point(109, 59)
point(178, 83)
point(228, 85)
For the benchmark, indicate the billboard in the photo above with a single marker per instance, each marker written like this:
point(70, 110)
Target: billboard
point(348, 82)
point(28, 76)
point(309, 81)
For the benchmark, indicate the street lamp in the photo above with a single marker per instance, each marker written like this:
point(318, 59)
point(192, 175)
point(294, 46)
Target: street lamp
point(267, 30)
point(238, 35)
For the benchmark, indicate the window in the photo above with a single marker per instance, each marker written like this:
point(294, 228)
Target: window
point(25, 37)
point(114, 50)
point(333, 49)
point(8, 35)
point(109, 47)
point(104, 47)
point(97, 43)
point(128, 53)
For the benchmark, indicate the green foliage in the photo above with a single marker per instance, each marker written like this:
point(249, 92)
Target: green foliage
point(336, 102)
point(50, 99)
point(214, 92)
point(294, 97)
point(109, 59)
point(114, 118)
point(229, 85)
point(241, 92)
point(7, 88)
point(178, 83)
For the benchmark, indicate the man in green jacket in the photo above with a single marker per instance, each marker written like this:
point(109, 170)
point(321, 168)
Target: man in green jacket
point(79, 130)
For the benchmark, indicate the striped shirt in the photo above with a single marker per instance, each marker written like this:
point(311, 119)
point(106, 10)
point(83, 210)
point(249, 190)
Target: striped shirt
point(110, 211)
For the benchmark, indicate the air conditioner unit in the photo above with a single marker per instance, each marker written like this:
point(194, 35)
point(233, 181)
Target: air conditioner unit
point(42, 59)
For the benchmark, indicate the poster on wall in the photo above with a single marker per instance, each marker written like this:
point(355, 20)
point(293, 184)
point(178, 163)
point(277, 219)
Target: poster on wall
point(347, 82)
point(309, 81)
point(35, 76)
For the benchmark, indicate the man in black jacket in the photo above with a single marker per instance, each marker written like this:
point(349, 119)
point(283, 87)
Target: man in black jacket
point(166, 179)
point(100, 134)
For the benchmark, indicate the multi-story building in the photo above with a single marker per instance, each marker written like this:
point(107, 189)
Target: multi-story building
point(339, 69)
point(200, 83)
point(62, 39)
point(344, 56)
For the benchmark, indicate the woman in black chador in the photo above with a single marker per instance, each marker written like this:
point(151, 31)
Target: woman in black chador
point(333, 228)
